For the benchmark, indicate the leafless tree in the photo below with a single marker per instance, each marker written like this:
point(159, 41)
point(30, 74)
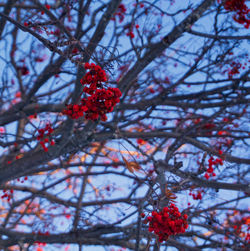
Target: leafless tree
point(181, 128)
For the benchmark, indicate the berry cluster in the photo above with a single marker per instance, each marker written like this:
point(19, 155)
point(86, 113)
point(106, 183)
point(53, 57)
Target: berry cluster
point(197, 196)
point(130, 32)
point(100, 101)
point(212, 162)
point(75, 111)
point(7, 194)
point(141, 5)
point(241, 9)
point(94, 78)
point(43, 137)
point(120, 13)
point(167, 222)
point(240, 225)
point(208, 127)
point(23, 70)
point(235, 67)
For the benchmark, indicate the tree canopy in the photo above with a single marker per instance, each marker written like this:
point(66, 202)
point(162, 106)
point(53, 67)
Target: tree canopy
point(124, 125)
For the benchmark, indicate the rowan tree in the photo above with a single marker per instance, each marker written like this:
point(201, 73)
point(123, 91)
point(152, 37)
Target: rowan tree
point(124, 125)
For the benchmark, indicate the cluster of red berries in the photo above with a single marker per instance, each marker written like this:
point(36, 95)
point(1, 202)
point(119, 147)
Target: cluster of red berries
point(212, 162)
point(75, 111)
point(7, 194)
point(120, 13)
point(43, 137)
point(197, 196)
point(23, 70)
point(100, 101)
point(130, 32)
point(47, 6)
point(167, 222)
point(240, 225)
point(241, 9)
point(209, 128)
point(94, 78)
point(22, 180)
point(235, 67)
point(141, 5)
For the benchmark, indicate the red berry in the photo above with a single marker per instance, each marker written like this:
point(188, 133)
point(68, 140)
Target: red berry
point(165, 224)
